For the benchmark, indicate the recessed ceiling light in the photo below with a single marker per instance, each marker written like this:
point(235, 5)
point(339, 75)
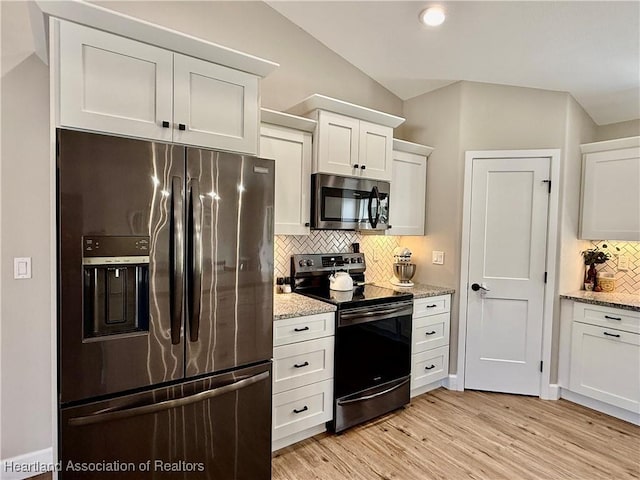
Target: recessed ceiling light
point(432, 16)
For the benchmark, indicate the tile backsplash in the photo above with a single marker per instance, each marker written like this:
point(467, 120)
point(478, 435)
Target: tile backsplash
point(629, 281)
point(378, 250)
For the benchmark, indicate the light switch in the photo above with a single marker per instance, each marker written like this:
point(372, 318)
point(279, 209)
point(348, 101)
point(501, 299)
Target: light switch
point(437, 258)
point(21, 267)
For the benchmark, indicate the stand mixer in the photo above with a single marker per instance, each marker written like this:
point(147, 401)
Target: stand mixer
point(403, 269)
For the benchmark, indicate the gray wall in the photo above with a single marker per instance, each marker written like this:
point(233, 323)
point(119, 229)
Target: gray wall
point(488, 117)
point(306, 67)
point(630, 128)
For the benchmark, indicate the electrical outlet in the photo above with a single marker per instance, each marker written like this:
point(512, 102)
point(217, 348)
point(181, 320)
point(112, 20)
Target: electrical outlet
point(437, 258)
point(623, 263)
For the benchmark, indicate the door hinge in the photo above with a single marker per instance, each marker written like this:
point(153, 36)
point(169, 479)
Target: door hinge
point(548, 182)
point(545, 277)
point(541, 362)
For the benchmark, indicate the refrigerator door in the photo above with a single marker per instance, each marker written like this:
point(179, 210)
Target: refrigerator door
point(121, 235)
point(229, 261)
point(213, 428)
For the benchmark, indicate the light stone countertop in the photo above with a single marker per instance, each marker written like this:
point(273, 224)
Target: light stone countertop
point(626, 301)
point(289, 305)
point(419, 290)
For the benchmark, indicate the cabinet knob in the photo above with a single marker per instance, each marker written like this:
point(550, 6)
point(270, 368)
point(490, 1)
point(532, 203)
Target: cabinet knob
point(182, 126)
point(307, 224)
point(165, 124)
point(363, 167)
point(356, 166)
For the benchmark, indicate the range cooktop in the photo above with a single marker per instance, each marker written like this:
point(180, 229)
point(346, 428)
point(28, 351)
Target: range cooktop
point(360, 296)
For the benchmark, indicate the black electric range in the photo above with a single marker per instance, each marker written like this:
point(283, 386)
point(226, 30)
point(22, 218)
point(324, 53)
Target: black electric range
point(372, 337)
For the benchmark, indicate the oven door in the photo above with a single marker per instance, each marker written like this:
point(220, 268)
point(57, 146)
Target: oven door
point(346, 203)
point(372, 362)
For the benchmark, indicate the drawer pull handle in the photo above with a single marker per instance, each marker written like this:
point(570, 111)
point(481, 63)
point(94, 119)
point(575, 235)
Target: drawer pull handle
point(432, 306)
point(617, 335)
point(430, 367)
point(612, 318)
point(432, 332)
point(300, 365)
point(303, 409)
point(300, 329)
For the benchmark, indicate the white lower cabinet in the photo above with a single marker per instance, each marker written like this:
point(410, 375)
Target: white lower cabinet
point(430, 343)
point(605, 362)
point(302, 377)
point(599, 358)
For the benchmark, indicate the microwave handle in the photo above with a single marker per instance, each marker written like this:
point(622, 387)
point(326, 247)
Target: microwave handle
point(374, 193)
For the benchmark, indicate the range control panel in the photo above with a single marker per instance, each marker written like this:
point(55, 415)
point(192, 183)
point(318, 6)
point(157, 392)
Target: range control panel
point(315, 263)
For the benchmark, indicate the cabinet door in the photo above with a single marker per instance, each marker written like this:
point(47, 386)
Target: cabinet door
point(407, 197)
point(291, 149)
point(605, 365)
point(215, 106)
point(611, 195)
point(376, 142)
point(337, 144)
point(112, 84)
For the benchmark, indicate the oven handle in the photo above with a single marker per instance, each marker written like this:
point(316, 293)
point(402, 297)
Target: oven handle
point(367, 315)
point(374, 395)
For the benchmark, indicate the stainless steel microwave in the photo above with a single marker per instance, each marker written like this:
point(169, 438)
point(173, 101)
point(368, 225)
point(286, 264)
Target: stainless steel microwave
point(349, 203)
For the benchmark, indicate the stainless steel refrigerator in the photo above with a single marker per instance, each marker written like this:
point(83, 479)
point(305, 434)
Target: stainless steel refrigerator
point(165, 257)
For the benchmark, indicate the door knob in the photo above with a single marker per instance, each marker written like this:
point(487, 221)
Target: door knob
point(476, 286)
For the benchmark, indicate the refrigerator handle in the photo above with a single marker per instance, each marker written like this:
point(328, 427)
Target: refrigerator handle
point(106, 416)
point(177, 259)
point(195, 258)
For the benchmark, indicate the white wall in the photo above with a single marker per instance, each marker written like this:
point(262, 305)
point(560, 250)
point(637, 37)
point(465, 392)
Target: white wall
point(306, 67)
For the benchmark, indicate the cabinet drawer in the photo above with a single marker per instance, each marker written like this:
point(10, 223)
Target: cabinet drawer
point(617, 318)
point(430, 332)
point(302, 408)
point(298, 329)
point(431, 306)
point(429, 366)
point(605, 365)
point(302, 363)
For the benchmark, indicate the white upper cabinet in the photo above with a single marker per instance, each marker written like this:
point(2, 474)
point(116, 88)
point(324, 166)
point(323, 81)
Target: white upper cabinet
point(350, 140)
point(408, 188)
point(113, 84)
point(291, 149)
point(611, 190)
point(117, 85)
point(337, 141)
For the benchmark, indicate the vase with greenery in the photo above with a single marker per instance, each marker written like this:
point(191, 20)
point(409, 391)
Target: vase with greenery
point(592, 257)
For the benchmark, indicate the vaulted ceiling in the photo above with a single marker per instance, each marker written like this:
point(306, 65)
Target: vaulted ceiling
point(589, 49)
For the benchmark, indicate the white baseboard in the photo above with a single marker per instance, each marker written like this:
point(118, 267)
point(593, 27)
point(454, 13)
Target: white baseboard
point(426, 388)
point(451, 383)
point(297, 437)
point(601, 407)
point(552, 392)
point(28, 465)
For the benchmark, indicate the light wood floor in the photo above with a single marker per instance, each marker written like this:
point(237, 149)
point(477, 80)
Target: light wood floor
point(472, 435)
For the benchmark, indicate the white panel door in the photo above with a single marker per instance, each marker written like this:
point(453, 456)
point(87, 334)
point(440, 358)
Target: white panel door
point(337, 147)
point(291, 149)
point(407, 196)
point(112, 84)
point(507, 253)
point(215, 106)
point(611, 195)
point(376, 142)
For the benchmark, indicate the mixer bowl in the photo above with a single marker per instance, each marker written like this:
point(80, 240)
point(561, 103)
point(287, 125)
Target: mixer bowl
point(404, 271)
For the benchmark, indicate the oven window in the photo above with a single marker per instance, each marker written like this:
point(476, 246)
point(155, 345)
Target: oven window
point(343, 205)
point(372, 353)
